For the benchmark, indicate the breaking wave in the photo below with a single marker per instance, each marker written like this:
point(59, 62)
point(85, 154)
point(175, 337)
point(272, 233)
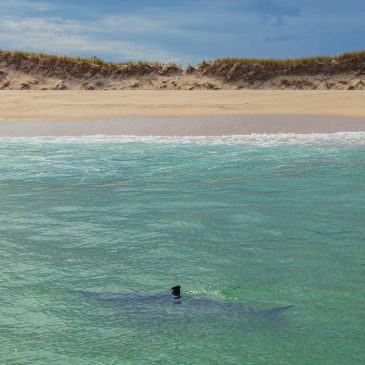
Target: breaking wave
point(341, 139)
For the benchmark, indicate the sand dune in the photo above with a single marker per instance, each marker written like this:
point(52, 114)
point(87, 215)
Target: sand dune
point(31, 71)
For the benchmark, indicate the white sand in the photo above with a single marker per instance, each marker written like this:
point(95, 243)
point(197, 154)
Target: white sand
point(32, 113)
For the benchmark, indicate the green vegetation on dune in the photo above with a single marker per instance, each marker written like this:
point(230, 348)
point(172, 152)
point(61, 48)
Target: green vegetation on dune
point(94, 60)
point(232, 60)
point(90, 60)
point(291, 61)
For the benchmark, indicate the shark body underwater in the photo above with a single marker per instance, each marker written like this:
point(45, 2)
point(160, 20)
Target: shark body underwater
point(142, 301)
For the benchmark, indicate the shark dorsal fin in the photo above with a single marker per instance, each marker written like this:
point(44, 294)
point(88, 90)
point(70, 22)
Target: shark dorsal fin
point(176, 291)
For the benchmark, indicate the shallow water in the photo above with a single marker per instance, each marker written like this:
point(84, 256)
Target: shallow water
point(259, 221)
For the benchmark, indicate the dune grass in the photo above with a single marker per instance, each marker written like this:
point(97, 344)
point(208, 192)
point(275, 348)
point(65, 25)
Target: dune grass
point(229, 60)
point(93, 60)
point(90, 60)
point(290, 61)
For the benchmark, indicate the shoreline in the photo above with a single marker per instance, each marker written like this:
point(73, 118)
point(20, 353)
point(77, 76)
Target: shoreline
point(179, 113)
point(184, 126)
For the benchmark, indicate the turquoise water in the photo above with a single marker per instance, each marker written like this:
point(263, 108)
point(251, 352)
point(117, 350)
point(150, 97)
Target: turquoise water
point(260, 221)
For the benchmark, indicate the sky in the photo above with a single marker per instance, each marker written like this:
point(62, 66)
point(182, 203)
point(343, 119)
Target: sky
point(183, 31)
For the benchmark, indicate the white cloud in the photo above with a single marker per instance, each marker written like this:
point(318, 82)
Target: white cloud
point(130, 23)
point(55, 25)
point(103, 36)
point(181, 32)
point(24, 5)
point(148, 34)
point(58, 36)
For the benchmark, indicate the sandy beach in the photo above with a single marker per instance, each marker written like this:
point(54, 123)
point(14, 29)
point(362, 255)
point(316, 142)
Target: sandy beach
point(75, 112)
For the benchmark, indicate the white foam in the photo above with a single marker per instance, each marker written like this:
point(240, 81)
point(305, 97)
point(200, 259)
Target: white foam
point(269, 140)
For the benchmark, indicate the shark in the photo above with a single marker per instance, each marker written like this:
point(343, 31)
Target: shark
point(175, 297)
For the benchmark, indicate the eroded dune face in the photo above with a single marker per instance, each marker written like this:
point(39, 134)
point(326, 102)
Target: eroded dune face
point(21, 71)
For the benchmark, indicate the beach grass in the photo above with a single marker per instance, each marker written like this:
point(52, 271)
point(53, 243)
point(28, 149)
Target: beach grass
point(290, 61)
point(90, 60)
point(228, 60)
point(94, 60)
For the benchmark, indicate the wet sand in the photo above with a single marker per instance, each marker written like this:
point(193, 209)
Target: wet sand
point(184, 126)
point(59, 113)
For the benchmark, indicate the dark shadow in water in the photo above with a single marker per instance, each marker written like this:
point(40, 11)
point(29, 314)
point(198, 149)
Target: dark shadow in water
point(164, 304)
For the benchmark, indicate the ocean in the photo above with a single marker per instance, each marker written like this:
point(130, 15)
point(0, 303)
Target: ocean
point(259, 221)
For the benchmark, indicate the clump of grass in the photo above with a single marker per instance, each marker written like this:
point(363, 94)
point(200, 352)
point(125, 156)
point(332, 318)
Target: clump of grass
point(288, 61)
point(90, 60)
point(93, 60)
point(140, 64)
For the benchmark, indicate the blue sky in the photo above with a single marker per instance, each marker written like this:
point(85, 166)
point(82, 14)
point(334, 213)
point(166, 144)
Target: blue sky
point(183, 31)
